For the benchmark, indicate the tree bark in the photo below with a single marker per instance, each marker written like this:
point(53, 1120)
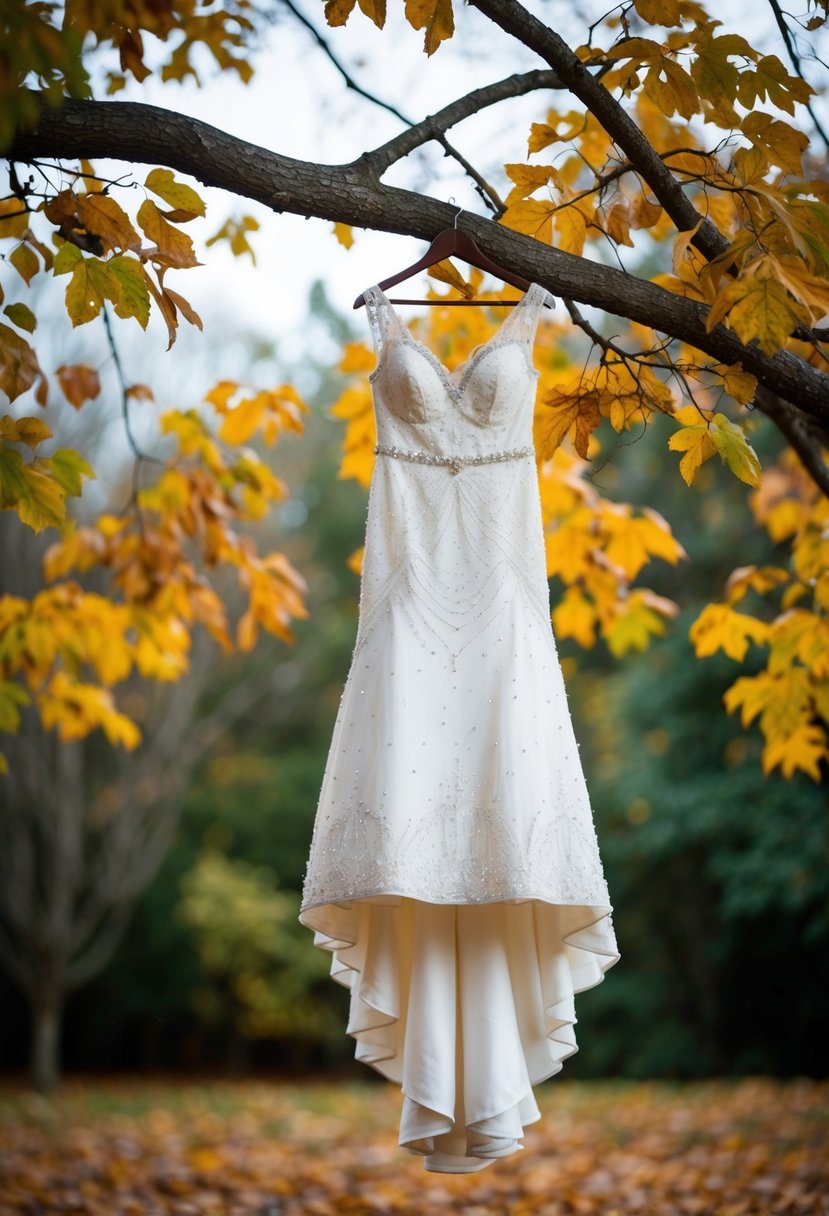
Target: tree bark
point(353, 194)
point(44, 1057)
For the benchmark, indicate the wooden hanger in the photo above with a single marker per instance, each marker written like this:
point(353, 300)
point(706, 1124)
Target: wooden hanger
point(451, 241)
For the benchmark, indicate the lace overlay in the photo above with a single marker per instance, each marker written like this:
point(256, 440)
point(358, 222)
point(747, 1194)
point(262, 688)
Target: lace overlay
point(454, 866)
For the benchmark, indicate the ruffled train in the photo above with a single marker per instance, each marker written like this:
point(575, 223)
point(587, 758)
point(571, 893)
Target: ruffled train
point(466, 1007)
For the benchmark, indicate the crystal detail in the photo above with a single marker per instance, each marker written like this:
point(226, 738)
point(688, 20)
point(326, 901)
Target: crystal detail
point(455, 463)
point(380, 312)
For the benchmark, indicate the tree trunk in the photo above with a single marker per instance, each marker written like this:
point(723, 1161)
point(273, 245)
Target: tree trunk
point(44, 1059)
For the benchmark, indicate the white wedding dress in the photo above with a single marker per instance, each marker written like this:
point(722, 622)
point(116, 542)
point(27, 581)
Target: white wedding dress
point(454, 871)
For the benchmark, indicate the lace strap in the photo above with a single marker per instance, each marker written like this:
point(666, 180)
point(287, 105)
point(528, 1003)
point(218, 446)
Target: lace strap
point(381, 320)
point(523, 321)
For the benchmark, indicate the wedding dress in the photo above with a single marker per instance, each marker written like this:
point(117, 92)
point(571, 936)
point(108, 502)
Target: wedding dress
point(454, 872)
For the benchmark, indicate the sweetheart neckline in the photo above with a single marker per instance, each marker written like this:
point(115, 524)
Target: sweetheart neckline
point(454, 381)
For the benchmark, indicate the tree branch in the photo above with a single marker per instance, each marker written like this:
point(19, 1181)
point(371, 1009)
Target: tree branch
point(351, 193)
point(486, 191)
point(801, 433)
point(433, 126)
point(796, 64)
point(514, 19)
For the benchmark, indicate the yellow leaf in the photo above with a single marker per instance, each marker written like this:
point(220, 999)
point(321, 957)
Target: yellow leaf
point(730, 441)
point(566, 410)
point(131, 292)
point(173, 248)
point(634, 541)
point(90, 285)
point(771, 80)
point(445, 272)
point(357, 358)
point(25, 262)
point(571, 229)
point(676, 94)
point(68, 468)
point(100, 214)
point(658, 12)
point(810, 289)
point(695, 441)
point(528, 178)
point(575, 617)
point(757, 578)
point(783, 145)
point(435, 16)
point(30, 431)
point(757, 307)
point(181, 197)
point(532, 217)
point(543, 134)
point(739, 384)
point(617, 222)
point(719, 627)
point(633, 627)
point(800, 751)
point(343, 234)
point(640, 49)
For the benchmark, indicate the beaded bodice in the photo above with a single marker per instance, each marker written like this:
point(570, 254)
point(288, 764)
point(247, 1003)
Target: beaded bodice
point(485, 405)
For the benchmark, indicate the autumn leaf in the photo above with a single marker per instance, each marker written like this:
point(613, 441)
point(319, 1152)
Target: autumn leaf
point(719, 627)
point(532, 217)
point(344, 234)
point(700, 440)
point(696, 442)
point(69, 468)
point(658, 12)
point(173, 248)
point(756, 307)
point(566, 411)
point(575, 617)
point(21, 316)
point(19, 368)
point(730, 441)
point(79, 382)
point(31, 431)
point(801, 751)
point(435, 16)
point(781, 142)
point(638, 621)
point(186, 203)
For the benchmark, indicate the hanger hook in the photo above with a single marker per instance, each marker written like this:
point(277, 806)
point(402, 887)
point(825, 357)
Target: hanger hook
point(457, 213)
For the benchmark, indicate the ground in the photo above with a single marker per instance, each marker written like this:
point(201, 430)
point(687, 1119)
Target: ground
point(275, 1148)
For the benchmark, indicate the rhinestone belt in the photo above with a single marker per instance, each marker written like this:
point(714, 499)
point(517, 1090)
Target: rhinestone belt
point(455, 463)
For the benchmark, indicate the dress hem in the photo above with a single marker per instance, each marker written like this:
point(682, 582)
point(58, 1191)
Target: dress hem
point(589, 953)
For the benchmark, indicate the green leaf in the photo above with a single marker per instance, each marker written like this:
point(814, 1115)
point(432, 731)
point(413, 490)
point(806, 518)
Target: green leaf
point(134, 295)
point(21, 316)
point(69, 468)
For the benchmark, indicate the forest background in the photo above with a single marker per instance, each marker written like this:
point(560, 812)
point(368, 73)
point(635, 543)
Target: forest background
point(717, 866)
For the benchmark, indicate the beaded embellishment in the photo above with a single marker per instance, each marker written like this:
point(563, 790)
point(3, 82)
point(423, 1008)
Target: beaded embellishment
point(455, 463)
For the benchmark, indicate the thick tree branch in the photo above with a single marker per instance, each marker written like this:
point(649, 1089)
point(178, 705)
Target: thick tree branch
point(801, 433)
point(352, 194)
